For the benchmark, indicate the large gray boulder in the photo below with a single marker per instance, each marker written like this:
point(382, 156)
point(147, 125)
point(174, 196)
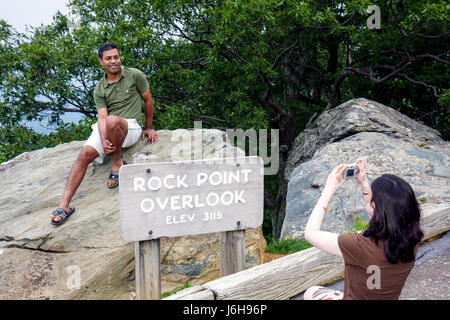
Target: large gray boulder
point(389, 141)
point(86, 257)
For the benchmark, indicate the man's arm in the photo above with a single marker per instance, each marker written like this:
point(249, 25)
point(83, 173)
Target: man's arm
point(107, 145)
point(148, 111)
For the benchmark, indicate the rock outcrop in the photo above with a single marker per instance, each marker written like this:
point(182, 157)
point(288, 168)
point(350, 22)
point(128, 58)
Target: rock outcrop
point(86, 257)
point(389, 141)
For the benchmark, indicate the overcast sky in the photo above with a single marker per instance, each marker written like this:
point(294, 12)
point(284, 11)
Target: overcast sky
point(20, 13)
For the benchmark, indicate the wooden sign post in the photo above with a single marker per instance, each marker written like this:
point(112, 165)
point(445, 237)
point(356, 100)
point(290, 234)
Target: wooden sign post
point(232, 252)
point(147, 269)
point(172, 199)
point(147, 255)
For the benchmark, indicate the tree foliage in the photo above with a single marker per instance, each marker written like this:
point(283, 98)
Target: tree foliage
point(237, 64)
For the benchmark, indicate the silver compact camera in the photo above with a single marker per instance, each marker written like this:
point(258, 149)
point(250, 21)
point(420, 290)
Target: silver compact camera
point(351, 171)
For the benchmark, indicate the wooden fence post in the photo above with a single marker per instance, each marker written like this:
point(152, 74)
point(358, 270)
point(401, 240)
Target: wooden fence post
point(232, 252)
point(147, 255)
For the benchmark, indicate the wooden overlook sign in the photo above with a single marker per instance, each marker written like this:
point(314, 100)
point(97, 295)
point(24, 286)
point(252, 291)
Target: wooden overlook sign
point(171, 199)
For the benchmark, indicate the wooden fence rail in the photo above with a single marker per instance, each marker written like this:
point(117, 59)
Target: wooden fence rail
point(286, 277)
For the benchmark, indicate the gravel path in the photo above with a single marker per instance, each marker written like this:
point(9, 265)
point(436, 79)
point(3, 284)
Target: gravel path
point(430, 277)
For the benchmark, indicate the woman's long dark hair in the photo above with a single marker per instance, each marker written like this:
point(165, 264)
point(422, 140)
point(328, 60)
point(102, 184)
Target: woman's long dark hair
point(396, 218)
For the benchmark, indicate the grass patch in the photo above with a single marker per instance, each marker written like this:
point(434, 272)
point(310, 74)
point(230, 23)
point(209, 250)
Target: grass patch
point(167, 294)
point(422, 144)
point(286, 246)
point(358, 224)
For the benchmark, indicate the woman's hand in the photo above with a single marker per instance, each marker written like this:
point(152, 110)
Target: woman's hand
point(335, 180)
point(361, 177)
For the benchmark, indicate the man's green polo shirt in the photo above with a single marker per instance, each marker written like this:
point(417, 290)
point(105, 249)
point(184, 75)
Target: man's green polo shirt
point(122, 98)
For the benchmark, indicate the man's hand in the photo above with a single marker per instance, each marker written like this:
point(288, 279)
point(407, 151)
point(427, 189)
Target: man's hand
point(108, 146)
point(151, 134)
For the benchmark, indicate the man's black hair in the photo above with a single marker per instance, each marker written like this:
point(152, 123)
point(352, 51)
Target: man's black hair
point(105, 47)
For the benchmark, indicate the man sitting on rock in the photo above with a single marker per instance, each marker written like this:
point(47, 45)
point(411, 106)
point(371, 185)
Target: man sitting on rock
point(117, 98)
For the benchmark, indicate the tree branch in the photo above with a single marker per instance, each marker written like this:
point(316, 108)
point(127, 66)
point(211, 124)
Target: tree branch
point(426, 35)
point(234, 54)
point(421, 83)
point(434, 57)
point(184, 35)
point(277, 59)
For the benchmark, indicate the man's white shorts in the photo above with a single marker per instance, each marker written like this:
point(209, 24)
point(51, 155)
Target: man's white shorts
point(94, 140)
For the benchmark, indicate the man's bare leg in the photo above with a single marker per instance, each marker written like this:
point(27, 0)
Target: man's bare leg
point(76, 175)
point(117, 130)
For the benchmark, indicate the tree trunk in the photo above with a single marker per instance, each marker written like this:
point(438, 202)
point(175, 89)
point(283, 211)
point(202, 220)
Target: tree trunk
point(287, 137)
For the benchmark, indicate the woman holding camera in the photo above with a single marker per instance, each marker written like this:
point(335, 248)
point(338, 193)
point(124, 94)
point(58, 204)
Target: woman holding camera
point(378, 260)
